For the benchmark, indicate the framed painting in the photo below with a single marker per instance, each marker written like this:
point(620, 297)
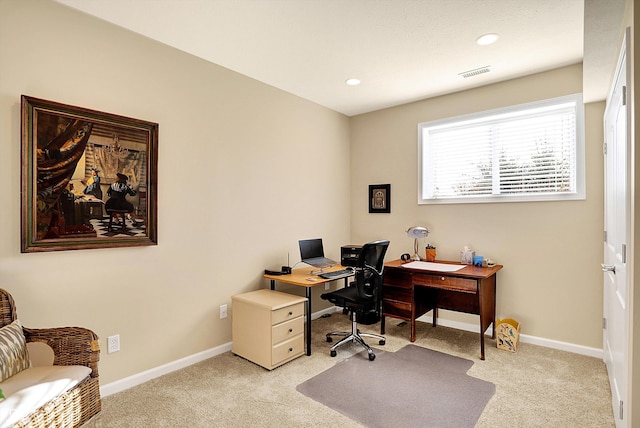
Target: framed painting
point(89, 179)
point(380, 198)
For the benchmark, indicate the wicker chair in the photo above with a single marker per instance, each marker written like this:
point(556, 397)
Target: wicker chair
point(71, 346)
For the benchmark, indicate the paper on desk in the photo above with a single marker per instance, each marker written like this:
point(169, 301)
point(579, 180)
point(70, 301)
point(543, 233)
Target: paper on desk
point(439, 267)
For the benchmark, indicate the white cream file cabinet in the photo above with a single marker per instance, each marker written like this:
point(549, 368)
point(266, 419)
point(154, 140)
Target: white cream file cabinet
point(268, 327)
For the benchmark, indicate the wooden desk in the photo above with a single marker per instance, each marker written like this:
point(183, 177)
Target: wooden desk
point(303, 278)
point(410, 293)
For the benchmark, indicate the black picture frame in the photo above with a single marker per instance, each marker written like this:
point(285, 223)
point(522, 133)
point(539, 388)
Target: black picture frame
point(380, 198)
point(74, 160)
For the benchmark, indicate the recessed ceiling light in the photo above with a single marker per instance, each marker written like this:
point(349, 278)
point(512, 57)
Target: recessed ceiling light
point(352, 82)
point(487, 39)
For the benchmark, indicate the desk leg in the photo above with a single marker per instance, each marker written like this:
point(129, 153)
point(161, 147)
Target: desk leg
point(381, 309)
point(308, 294)
point(308, 308)
point(483, 329)
point(487, 306)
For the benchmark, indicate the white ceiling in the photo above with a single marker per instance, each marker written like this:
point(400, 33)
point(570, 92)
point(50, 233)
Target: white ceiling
point(401, 50)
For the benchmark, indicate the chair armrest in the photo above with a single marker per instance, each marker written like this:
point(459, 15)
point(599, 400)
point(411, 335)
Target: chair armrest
point(71, 345)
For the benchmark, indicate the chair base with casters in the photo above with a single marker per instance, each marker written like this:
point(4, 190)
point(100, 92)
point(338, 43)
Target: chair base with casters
point(354, 336)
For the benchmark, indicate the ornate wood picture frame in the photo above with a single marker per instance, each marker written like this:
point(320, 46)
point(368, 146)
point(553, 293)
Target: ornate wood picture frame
point(89, 179)
point(380, 198)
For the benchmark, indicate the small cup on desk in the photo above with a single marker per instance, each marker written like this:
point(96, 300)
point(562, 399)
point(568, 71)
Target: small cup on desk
point(477, 261)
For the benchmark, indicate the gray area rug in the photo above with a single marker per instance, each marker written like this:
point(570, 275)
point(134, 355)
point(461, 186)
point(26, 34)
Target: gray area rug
point(413, 387)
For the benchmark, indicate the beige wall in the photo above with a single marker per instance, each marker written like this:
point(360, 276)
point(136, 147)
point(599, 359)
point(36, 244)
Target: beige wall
point(245, 170)
point(551, 251)
point(238, 160)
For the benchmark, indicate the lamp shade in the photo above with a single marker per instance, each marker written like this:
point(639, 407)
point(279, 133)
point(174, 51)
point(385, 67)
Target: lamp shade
point(417, 232)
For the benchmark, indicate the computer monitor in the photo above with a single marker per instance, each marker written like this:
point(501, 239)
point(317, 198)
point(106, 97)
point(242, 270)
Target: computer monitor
point(312, 253)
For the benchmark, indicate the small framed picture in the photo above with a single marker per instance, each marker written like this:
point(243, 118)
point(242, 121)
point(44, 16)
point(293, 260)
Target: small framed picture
point(380, 198)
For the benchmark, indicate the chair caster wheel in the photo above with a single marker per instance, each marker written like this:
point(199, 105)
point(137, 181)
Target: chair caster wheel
point(372, 357)
point(382, 342)
point(329, 339)
point(334, 353)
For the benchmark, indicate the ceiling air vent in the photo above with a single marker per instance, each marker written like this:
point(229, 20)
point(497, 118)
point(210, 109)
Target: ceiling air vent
point(475, 71)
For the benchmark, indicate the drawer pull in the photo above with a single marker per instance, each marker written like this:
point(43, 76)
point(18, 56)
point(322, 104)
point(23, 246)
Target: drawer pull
point(442, 278)
point(290, 313)
point(290, 330)
point(290, 349)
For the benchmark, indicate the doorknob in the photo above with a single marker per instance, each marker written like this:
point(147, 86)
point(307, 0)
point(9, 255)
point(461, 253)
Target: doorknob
point(608, 268)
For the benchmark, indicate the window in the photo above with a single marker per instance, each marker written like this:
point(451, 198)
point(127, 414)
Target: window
point(529, 152)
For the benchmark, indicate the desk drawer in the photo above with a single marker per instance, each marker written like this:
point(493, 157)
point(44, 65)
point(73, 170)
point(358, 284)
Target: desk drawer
point(457, 301)
point(393, 308)
point(287, 330)
point(447, 282)
point(397, 293)
point(396, 277)
point(285, 351)
point(287, 313)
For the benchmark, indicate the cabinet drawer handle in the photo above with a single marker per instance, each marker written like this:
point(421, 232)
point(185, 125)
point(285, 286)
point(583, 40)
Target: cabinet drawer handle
point(290, 313)
point(442, 278)
point(290, 349)
point(290, 330)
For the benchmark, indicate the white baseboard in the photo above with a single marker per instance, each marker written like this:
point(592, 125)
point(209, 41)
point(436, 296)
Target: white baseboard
point(140, 378)
point(524, 338)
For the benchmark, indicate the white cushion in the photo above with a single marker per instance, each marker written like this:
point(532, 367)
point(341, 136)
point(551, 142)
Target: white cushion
point(30, 389)
point(40, 354)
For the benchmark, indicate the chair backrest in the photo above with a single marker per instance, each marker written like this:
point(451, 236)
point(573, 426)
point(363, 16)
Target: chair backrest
point(369, 269)
point(7, 308)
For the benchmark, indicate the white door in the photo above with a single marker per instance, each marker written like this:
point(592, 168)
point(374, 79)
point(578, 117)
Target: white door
point(616, 217)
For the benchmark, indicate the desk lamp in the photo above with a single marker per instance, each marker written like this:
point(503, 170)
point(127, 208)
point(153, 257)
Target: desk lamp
point(417, 232)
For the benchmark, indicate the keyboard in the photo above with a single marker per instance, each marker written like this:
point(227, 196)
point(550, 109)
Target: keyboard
point(337, 274)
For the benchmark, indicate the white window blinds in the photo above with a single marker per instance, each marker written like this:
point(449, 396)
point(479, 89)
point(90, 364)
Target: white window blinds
point(530, 152)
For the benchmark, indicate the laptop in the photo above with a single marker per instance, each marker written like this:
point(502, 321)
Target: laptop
point(312, 253)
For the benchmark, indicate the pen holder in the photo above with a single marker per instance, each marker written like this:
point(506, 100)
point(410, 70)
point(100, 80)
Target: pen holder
point(431, 254)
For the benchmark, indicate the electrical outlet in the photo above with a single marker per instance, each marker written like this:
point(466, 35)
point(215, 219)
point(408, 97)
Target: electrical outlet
point(223, 311)
point(113, 343)
point(326, 286)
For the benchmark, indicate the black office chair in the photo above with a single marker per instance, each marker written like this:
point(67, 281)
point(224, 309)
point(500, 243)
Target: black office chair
point(363, 299)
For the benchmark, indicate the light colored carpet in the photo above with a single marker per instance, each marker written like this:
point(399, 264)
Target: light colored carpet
point(432, 389)
point(535, 387)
